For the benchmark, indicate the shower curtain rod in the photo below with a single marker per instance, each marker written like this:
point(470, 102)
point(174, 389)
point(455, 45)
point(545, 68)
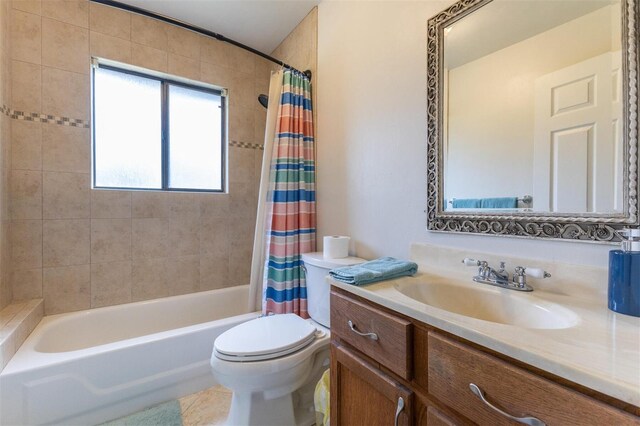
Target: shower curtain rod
point(167, 19)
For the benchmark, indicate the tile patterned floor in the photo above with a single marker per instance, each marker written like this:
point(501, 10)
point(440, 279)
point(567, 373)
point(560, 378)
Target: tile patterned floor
point(207, 408)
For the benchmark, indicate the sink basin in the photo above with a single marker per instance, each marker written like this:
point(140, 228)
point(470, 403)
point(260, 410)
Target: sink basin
point(490, 304)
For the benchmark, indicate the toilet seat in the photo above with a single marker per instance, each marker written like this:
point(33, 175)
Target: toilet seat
point(265, 338)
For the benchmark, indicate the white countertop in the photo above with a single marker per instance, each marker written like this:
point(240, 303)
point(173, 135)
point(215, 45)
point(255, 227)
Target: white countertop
point(601, 352)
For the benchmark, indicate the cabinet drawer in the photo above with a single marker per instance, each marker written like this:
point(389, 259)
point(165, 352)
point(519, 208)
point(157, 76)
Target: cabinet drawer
point(454, 366)
point(390, 341)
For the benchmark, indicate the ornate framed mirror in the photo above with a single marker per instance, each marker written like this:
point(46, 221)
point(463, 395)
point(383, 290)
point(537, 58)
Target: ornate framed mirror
point(532, 118)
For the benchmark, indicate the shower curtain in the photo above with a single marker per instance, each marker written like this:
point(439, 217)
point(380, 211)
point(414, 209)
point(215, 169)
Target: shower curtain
point(286, 221)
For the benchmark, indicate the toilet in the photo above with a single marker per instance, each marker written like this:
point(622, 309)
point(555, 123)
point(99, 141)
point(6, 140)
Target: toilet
point(272, 363)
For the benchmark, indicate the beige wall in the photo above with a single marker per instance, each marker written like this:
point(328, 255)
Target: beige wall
point(5, 154)
point(80, 248)
point(300, 48)
point(502, 85)
point(372, 155)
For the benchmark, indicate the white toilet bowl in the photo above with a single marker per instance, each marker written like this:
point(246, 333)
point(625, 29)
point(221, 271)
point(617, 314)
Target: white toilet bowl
point(272, 363)
point(272, 382)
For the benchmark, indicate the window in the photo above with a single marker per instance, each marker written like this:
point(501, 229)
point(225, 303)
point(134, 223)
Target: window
point(155, 133)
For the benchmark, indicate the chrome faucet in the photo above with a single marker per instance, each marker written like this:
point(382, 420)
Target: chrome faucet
point(500, 278)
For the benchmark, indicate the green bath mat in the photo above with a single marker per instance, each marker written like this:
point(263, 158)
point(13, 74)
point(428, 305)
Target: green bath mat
point(166, 414)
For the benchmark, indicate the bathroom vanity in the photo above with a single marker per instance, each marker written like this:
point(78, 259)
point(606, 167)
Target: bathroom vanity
point(397, 362)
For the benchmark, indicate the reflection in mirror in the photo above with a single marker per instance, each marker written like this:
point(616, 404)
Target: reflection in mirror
point(532, 108)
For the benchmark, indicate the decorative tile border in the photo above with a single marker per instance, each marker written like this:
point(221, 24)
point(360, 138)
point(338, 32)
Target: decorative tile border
point(74, 122)
point(47, 118)
point(43, 118)
point(246, 145)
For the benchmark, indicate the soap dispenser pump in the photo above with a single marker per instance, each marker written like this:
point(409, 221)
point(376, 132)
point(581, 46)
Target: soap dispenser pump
point(624, 274)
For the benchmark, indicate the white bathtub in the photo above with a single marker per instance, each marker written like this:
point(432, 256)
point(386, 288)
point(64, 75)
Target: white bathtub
point(87, 367)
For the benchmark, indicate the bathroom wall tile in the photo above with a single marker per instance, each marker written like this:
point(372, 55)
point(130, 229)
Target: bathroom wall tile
point(239, 266)
point(212, 51)
point(241, 232)
point(184, 67)
point(146, 204)
point(241, 165)
point(66, 148)
point(214, 236)
point(26, 145)
point(149, 279)
point(216, 74)
point(243, 200)
point(184, 204)
point(184, 236)
point(66, 242)
point(65, 46)
point(26, 247)
point(26, 194)
point(110, 240)
point(65, 93)
point(110, 204)
point(227, 55)
point(183, 42)
point(66, 195)
point(184, 274)
point(149, 32)
point(215, 206)
point(258, 154)
point(27, 284)
point(110, 21)
point(259, 124)
point(150, 238)
point(214, 271)
point(108, 47)
point(110, 283)
point(148, 57)
point(26, 86)
point(66, 289)
point(26, 30)
point(30, 6)
point(240, 123)
point(75, 12)
point(242, 91)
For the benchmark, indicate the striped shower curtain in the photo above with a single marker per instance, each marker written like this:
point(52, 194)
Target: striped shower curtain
point(291, 209)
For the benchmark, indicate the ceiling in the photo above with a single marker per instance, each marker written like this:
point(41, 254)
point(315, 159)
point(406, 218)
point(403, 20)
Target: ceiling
point(261, 24)
point(502, 23)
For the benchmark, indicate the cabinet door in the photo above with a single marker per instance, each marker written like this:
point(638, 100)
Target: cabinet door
point(361, 394)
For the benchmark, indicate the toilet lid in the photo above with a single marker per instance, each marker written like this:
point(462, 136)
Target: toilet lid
point(265, 338)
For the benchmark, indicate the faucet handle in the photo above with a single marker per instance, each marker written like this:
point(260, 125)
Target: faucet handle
point(521, 273)
point(471, 262)
point(536, 272)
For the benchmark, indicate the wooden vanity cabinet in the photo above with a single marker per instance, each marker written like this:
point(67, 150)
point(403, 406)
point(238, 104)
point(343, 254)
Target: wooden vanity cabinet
point(379, 356)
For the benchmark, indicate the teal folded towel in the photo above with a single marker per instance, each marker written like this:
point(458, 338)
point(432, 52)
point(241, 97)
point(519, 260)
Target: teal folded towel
point(499, 203)
point(384, 268)
point(466, 203)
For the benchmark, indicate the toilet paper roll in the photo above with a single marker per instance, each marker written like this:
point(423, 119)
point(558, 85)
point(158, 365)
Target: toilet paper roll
point(335, 247)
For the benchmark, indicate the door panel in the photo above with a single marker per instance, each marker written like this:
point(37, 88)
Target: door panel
point(361, 394)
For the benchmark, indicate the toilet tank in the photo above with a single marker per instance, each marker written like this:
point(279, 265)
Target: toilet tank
point(317, 268)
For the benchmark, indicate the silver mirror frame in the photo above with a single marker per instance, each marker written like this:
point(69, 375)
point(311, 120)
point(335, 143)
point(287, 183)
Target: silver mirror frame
point(588, 227)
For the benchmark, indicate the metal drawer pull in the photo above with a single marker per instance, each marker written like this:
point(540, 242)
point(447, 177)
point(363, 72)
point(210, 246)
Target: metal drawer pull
point(532, 421)
point(398, 410)
point(372, 336)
